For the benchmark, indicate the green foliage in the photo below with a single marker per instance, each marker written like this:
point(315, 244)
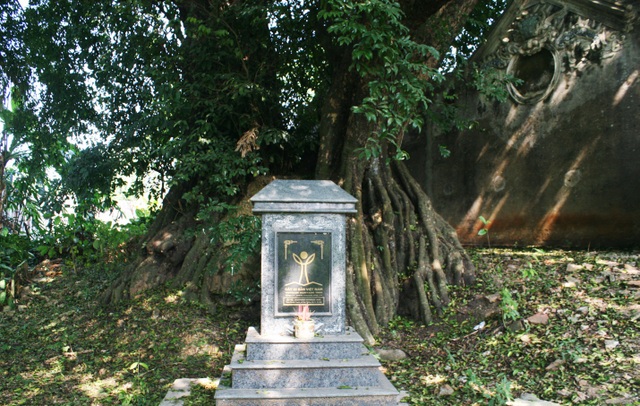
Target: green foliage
point(146, 92)
point(508, 306)
point(239, 236)
point(15, 253)
point(499, 396)
point(400, 324)
point(485, 229)
point(529, 271)
point(492, 365)
point(444, 151)
point(492, 83)
point(85, 240)
point(394, 66)
point(473, 34)
point(62, 71)
point(200, 396)
point(89, 177)
point(204, 97)
point(243, 292)
point(502, 393)
point(461, 75)
point(14, 249)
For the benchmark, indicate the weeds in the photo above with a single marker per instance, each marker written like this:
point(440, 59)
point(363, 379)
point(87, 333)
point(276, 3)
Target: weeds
point(565, 360)
point(509, 307)
point(485, 229)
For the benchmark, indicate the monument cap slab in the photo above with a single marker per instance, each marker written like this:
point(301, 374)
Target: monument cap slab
point(303, 196)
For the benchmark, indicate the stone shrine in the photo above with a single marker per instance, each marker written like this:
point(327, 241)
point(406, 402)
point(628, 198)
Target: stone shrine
point(304, 264)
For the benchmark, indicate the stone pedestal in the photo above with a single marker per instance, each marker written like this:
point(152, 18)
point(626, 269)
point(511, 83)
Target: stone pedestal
point(303, 263)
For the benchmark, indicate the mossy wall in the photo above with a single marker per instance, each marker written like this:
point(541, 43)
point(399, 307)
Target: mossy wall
point(558, 163)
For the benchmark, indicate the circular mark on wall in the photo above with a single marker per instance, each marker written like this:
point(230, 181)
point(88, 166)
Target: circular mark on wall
point(572, 177)
point(447, 189)
point(498, 183)
point(538, 74)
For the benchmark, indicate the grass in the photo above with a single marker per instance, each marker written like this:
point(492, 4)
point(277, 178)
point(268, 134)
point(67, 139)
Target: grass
point(62, 348)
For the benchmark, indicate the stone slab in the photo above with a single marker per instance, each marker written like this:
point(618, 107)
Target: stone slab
point(348, 345)
point(303, 196)
point(365, 396)
point(357, 381)
point(181, 389)
point(275, 374)
point(382, 394)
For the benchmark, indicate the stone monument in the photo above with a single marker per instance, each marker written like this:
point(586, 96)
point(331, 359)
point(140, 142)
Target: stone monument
point(304, 267)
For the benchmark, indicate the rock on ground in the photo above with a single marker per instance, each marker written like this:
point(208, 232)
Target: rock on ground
point(393, 354)
point(529, 399)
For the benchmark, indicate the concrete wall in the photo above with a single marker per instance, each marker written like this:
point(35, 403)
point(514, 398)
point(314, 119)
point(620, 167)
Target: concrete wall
point(558, 163)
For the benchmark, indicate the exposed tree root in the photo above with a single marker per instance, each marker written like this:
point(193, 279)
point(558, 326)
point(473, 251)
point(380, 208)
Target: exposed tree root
point(179, 251)
point(397, 237)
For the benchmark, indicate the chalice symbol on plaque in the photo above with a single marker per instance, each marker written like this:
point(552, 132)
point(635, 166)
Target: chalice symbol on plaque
point(304, 260)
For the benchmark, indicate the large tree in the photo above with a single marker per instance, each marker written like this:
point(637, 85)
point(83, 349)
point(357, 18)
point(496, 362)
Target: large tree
point(210, 96)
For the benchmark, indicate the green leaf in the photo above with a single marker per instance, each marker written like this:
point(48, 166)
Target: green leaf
point(444, 151)
point(137, 365)
point(482, 232)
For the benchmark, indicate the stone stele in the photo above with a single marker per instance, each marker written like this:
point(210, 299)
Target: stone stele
point(303, 253)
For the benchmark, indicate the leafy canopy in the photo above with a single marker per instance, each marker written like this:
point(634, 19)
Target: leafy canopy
point(201, 94)
point(392, 64)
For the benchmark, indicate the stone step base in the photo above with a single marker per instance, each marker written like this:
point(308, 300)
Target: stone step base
point(370, 396)
point(272, 374)
point(181, 390)
point(337, 381)
point(259, 347)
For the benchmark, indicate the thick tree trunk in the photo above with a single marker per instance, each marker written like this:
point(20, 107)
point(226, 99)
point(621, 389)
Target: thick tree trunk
point(401, 254)
point(179, 251)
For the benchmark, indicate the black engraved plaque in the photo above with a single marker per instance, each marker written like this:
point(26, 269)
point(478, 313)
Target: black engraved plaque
point(303, 263)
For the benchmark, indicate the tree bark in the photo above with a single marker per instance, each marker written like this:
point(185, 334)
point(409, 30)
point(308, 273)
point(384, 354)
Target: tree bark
point(402, 254)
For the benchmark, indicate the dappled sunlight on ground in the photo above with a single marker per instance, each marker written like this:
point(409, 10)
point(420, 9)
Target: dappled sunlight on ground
point(65, 348)
point(172, 298)
point(586, 350)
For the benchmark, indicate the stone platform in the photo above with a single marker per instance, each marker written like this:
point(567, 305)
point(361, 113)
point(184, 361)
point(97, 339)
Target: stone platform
point(324, 370)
